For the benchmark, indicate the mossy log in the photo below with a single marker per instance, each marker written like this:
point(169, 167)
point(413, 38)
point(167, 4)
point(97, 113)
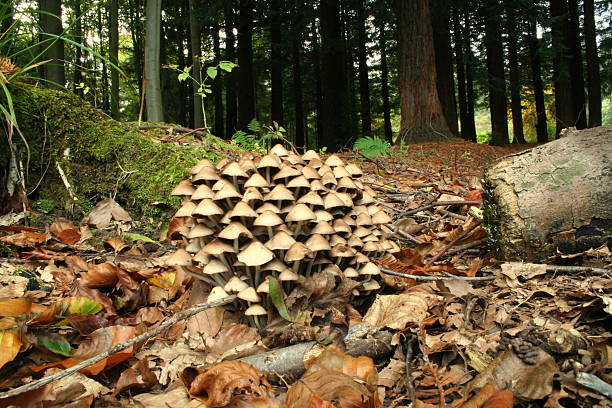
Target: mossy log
point(557, 196)
point(99, 156)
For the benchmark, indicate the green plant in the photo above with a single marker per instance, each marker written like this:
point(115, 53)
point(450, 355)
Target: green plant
point(43, 206)
point(260, 137)
point(372, 146)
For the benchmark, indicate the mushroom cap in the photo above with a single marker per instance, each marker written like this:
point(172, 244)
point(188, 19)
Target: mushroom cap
point(269, 160)
point(298, 182)
point(256, 180)
point(255, 310)
point(264, 287)
point(279, 150)
point(286, 171)
point(199, 230)
point(279, 193)
point(184, 188)
point(369, 268)
point(346, 183)
point(275, 265)
point(381, 217)
point(325, 169)
point(323, 228)
point(268, 207)
point(248, 165)
point(206, 208)
point(249, 294)
point(355, 241)
point(186, 209)
point(288, 275)
point(300, 212)
point(202, 192)
point(255, 254)
point(267, 219)
point(316, 185)
point(311, 155)
point(342, 251)
point(363, 219)
point(180, 257)
point(206, 173)
point(340, 225)
point(242, 209)
point(353, 169)
point(311, 198)
point(370, 285)
point(340, 172)
point(193, 246)
point(315, 163)
point(371, 247)
point(227, 191)
point(323, 215)
point(216, 293)
point(202, 257)
point(333, 200)
point(336, 239)
point(223, 162)
point(215, 266)
point(235, 285)
point(360, 258)
point(362, 232)
point(235, 230)
point(310, 173)
point(297, 252)
point(281, 240)
point(200, 165)
point(351, 272)
point(334, 161)
point(333, 269)
point(328, 179)
point(366, 198)
point(317, 242)
point(349, 220)
point(234, 170)
point(251, 195)
point(370, 238)
point(346, 199)
point(218, 247)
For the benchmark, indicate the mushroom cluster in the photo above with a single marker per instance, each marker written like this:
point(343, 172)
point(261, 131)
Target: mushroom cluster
point(281, 215)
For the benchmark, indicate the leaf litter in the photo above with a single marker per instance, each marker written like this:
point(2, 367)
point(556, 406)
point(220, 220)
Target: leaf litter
point(467, 330)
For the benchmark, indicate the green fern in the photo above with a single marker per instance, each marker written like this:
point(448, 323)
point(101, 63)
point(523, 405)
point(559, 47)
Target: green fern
point(372, 146)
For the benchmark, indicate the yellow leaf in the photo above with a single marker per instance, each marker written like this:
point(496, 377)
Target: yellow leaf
point(10, 340)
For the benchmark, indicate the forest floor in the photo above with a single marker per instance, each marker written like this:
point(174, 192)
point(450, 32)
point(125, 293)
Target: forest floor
point(466, 329)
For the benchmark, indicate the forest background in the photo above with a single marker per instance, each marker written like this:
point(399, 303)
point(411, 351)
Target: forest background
point(327, 72)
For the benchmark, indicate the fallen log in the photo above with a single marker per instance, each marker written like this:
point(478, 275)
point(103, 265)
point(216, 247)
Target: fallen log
point(555, 197)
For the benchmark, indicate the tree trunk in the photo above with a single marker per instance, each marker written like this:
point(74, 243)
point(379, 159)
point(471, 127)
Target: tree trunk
point(231, 107)
point(576, 70)
point(592, 60)
point(422, 118)
point(538, 86)
point(196, 55)
point(495, 70)
point(51, 23)
point(440, 15)
point(470, 125)
point(384, 77)
point(316, 68)
point(114, 56)
point(78, 52)
point(515, 84)
point(276, 62)
point(351, 119)
point(364, 86)
point(218, 87)
point(136, 34)
point(462, 96)
point(564, 104)
point(246, 83)
point(105, 99)
point(333, 82)
point(552, 198)
point(298, 98)
point(153, 93)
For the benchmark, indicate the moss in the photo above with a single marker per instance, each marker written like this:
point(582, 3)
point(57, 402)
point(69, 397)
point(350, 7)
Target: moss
point(101, 157)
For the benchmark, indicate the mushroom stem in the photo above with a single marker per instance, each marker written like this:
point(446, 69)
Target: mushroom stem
point(257, 277)
point(201, 277)
point(309, 268)
point(296, 267)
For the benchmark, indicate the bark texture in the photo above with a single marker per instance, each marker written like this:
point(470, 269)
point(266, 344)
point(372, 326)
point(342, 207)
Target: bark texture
point(592, 59)
point(553, 197)
point(153, 93)
point(246, 84)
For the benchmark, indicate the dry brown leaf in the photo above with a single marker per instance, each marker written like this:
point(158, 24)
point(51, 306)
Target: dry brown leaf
point(480, 397)
point(257, 403)
point(10, 340)
point(104, 212)
point(149, 315)
point(233, 338)
point(98, 276)
point(398, 311)
point(332, 358)
point(138, 377)
point(223, 383)
point(25, 239)
point(66, 232)
point(117, 244)
point(175, 396)
point(501, 399)
point(392, 373)
point(15, 307)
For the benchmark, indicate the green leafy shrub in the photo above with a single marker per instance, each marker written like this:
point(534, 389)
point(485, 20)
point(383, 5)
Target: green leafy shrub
point(260, 137)
point(372, 146)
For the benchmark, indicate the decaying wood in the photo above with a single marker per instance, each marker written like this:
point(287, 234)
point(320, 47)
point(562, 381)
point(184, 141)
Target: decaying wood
point(553, 197)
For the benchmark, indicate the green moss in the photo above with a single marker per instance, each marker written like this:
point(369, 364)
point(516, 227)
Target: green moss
point(101, 157)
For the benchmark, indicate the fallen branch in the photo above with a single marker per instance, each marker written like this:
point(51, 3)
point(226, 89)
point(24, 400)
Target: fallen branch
point(182, 315)
point(436, 204)
point(450, 244)
point(434, 278)
point(201, 132)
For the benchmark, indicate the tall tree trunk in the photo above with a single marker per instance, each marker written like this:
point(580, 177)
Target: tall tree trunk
point(78, 52)
point(351, 110)
point(384, 76)
point(564, 104)
point(592, 60)
point(576, 70)
point(440, 16)
point(246, 83)
point(231, 106)
point(333, 82)
point(515, 84)
point(298, 98)
point(196, 55)
point(153, 93)
point(276, 62)
point(364, 86)
point(137, 41)
point(51, 23)
point(495, 70)
point(114, 56)
point(181, 34)
point(422, 118)
point(470, 125)
point(105, 101)
point(218, 87)
point(316, 67)
point(459, 60)
point(538, 85)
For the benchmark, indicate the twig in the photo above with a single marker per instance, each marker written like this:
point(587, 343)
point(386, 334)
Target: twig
point(66, 182)
point(197, 132)
point(435, 278)
point(437, 204)
point(409, 344)
point(450, 244)
point(182, 315)
point(407, 236)
point(460, 248)
point(571, 268)
point(452, 214)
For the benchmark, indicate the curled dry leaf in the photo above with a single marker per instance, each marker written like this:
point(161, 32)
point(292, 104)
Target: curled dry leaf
point(138, 377)
point(256, 403)
point(25, 239)
point(398, 311)
point(233, 339)
point(10, 340)
point(65, 232)
point(332, 358)
point(116, 244)
point(225, 382)
point(104, 212)
point(98, 276)
point(501, 399)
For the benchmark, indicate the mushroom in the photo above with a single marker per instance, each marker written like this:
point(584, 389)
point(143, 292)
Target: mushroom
point(268, 219)
point(299, 214)
point(184, 188)
point(255, 255)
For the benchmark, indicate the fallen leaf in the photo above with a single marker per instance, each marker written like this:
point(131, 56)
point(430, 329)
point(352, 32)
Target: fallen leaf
point(15, 307)
point(10, 340)
point(225, 382)
point(398, 311)
point(138, 377)
point(117, 244)
point(25, 239)
point(256, 403)
point(65, 232)
point(333, 359)
point(98, 276)
point(104, 212)
point(233, 339)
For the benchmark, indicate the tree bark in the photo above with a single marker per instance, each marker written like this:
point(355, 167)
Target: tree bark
point(592, 60)
point(364, 86)
point(495, 71)
point(218, 87)
point(564, 104)
point(515, 84)
point(231, 106)
point(196, 55)
point(51, 23)
point(114, 56)
point(538, 86)
point(440, 16)
point(333, 78)
point(246, 83)
point(78, 52)
point(296, 63)
point(561, 203)
point(276, 62)
point(316, 68)
point(135, 25)
point(422, 118)
point(469, 79)
point(576, 70)
point(153, 93)
point(105, 96)
point(384, 76)
point(352, 121)
point(461, 91)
